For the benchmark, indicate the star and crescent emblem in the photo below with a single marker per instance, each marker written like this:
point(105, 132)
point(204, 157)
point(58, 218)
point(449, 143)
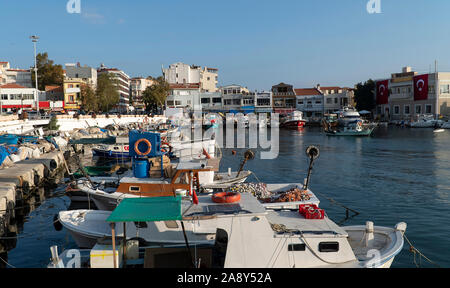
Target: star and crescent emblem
point(420, 87)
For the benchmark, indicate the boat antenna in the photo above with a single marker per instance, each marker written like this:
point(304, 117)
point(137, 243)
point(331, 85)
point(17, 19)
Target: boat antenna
point(312, 152)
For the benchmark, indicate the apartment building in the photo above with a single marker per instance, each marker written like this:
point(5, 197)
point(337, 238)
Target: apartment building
point(72, 93)
point(21, 77)
point(137, 88)
point(87, 74)
point(310, 102)
point(14, 96)
point(180, 73)
point(283, 98)
point(406, 95)
point(123, 86)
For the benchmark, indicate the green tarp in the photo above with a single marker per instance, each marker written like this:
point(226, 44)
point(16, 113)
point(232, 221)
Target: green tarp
point(147, 209)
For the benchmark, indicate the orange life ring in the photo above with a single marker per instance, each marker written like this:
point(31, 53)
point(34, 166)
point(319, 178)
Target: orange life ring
point(139, 152)
point(226, 197)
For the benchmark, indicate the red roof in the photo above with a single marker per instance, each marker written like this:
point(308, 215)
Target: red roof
point(49, 88)
point(306, 92)
point(12, 86)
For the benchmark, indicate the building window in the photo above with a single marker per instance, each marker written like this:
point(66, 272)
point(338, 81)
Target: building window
point(217, 100)
point(205, 100)
point(178, 103)
point(318, 102)
point(445, 89)
point(329, 101)
point(418, 109)
point(335, 100)
point(4, 96)
point(300, 102)
point(428, 109)
point(169, 103)
point(396, 110)
point(406, 109)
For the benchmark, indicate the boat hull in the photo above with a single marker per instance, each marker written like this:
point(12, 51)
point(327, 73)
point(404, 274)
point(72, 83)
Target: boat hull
point(296, 124)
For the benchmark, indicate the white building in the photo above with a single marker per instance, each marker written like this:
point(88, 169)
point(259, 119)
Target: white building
point(123, 85)
point(335, 98)
point(20, 76)
point(180, 73)
point(310, 102)
point(184, 96)
point(15, 97)
point(263, 102)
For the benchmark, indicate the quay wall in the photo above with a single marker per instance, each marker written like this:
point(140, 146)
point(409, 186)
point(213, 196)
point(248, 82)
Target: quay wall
point(22, 178)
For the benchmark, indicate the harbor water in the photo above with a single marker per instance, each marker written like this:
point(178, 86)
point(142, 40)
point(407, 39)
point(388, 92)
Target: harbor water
point(398, 174)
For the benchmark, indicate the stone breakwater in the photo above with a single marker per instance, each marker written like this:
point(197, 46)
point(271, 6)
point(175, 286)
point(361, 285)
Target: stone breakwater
point(22, 178)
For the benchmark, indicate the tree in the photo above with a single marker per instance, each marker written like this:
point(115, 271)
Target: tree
point(88, 98)
point(364, 96)
point(48, 72)
point(107, 94)
point(53, 124)
point(155, 96)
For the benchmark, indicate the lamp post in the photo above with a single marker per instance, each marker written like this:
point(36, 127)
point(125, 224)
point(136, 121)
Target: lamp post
point(34, 39)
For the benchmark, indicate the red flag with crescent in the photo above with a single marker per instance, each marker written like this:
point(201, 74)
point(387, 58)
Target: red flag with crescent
point(421, 87)
point(382, 92)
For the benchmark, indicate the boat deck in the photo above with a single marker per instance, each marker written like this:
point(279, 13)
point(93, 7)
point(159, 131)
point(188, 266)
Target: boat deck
point(293, 221)
point(207, 208)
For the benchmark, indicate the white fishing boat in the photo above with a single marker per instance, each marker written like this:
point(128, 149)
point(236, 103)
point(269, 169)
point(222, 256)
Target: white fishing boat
point(424, 121)
point(348, 115)
point(243, 234)
point(88, 226)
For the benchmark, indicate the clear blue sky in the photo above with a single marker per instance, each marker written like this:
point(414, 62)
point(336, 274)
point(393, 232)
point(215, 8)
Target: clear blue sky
point(255, 43)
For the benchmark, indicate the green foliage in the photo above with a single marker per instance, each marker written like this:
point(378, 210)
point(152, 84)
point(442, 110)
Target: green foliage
point(48, 72)
point(88, 98)
point(155, 95)
point(107, 94)
point(53, 124)
point(364, 96)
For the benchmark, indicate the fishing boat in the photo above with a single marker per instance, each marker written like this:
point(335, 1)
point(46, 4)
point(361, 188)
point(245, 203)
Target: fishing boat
point(293, 120)
point(88, 226)
point(348, 115)
point(352, 129)
point(106, 193)
point(176, 149)
point(425, 121)
point(267, 238)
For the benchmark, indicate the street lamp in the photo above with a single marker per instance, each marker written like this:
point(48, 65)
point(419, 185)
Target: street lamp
point(35, 39)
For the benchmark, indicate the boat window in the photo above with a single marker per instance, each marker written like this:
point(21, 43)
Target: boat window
point(329, 246)
point(140, 225)
point(296, 247)
point(134, 189)
point(116, 148)
point(171, 224)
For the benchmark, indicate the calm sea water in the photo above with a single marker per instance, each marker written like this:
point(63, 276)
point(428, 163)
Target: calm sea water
point(396, 175)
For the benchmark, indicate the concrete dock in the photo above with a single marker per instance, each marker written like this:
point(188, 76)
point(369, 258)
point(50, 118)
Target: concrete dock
point(23, 177)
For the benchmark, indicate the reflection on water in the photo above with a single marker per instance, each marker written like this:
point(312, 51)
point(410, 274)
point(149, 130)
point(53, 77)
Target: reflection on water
point(396, 175)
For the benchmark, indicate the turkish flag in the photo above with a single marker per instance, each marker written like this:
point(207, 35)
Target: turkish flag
point(382, 92)
point(421, 87)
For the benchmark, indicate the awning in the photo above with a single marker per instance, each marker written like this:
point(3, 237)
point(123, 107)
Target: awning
point(147, 209)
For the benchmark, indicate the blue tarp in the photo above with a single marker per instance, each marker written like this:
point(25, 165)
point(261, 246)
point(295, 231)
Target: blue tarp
point(3, 154)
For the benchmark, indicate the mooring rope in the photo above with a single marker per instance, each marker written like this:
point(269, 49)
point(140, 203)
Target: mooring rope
point(415, 251)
